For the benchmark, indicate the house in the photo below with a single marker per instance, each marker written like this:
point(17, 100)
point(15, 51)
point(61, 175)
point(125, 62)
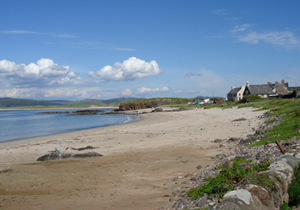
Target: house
point(263, 91)
point(269, 89)
point(236, 94)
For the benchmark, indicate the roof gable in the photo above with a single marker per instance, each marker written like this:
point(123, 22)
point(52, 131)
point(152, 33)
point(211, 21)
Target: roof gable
point(260, 89)
point(234, 91)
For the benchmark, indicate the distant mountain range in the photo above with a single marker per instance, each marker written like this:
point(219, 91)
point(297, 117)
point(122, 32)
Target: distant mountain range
point(15, 102)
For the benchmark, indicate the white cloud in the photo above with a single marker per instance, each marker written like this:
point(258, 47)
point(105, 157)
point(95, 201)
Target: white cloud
point(43, 73)
point(126, 92)
point(130, 69)
point(285, 39)
point(55, 93)
point(64, 93)
point(164, 89)
point(18, 93)
point(147, 90)
point(239, 28)
point(144, 90)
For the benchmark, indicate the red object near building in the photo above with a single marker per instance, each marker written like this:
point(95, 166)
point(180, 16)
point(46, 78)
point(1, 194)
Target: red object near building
point(217, 101)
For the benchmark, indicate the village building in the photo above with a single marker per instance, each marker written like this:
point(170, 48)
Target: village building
point(236, 94)
point(264, 90)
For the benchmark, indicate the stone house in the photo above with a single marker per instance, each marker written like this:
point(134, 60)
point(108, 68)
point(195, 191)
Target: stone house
point(236, 94)
point(269, 89)
point(264, 91)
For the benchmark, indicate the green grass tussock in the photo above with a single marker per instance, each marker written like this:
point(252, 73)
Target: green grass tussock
point(241, 173)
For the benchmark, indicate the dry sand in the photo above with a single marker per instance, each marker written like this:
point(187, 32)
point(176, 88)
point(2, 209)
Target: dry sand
point(137, 170)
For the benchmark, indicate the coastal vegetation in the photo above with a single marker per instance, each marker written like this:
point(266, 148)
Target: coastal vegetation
point(241, 173)
point(287, 126)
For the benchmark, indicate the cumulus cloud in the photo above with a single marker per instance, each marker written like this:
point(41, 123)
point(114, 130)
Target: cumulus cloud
point(126, 92)
point(130, 69)
point(147, 90)
point(43, 73)
point(54, 93)
point(18, 93)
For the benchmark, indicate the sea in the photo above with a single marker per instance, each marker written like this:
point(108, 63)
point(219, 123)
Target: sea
point(21, 124)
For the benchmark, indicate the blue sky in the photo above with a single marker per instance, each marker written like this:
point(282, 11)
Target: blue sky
point(71, 49)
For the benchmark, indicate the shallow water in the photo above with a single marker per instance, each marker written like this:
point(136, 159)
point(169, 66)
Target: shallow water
point(20, 124)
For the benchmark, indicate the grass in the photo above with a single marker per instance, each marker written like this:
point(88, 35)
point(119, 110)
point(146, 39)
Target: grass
point(294, 191)
point(239, 174)
point(287, 109)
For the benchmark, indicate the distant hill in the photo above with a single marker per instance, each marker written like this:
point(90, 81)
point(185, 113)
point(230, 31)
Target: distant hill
point(14, 102)
point(100, 102)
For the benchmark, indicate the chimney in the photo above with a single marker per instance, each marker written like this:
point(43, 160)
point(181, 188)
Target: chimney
point(282, 81)
point(269, 83)
point(232, 87)
point(276, 83)
point(247, 83)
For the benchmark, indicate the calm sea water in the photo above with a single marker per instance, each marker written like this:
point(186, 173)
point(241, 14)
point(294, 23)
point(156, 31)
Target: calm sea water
point(20, 124)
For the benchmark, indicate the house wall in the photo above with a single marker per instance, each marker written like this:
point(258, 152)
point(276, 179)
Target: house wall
point(281, 90)
point(240, 94)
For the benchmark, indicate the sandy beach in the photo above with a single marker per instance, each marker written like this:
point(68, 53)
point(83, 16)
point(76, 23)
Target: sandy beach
point(140, 160)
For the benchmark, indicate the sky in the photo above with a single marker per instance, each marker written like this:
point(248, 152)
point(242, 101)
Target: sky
point(103, 49)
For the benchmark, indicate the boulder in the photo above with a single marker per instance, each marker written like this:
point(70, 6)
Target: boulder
point(231, 204)
point(241, 194)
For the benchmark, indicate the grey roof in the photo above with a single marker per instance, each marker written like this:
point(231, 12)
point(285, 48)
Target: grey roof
point(292, 88)
point(260, 89)
point(234, 91)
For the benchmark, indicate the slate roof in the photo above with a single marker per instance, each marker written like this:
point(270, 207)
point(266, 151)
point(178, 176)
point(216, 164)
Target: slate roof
point(292, 88)
point(234, 91)
point(260, 89)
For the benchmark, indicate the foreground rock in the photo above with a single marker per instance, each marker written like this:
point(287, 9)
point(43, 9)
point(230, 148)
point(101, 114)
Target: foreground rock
point(256, 197)
point(57, 156)
point(248, 196)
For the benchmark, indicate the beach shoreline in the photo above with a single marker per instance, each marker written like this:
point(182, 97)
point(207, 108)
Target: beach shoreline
point(140, 160)
point(49, 136)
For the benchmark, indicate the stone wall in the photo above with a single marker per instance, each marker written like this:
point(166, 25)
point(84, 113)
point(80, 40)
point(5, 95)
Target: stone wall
point(256, 197)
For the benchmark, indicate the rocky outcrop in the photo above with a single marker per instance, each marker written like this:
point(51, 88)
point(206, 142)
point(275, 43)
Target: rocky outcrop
point(153, 103)
point(139, 105)
point(57, 156)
